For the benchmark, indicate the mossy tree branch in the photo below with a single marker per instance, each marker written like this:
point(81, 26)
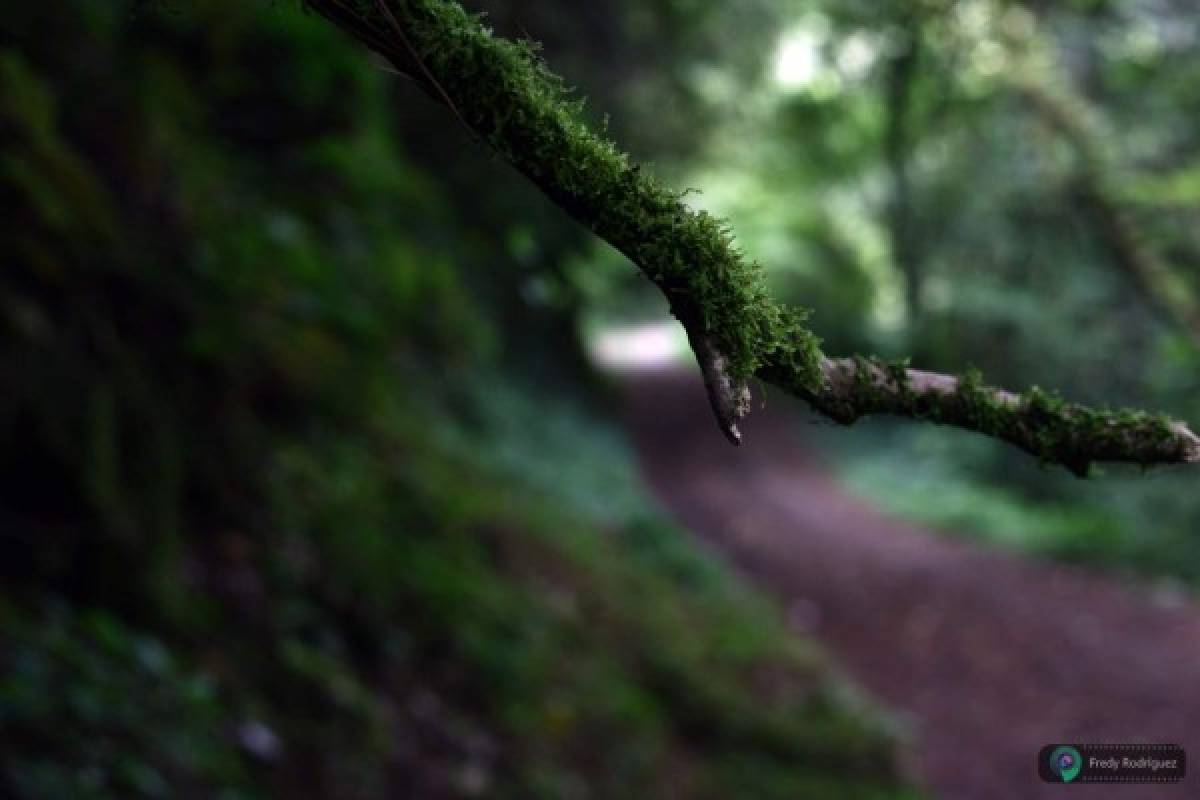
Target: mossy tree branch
point(503, 93)
point(1038, 422)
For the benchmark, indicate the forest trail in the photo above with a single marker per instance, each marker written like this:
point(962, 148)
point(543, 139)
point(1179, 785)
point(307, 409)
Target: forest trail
point(985, 655)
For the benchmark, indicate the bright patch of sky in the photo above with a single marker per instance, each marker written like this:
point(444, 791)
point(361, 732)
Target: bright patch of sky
point(856, 54)
point(798, 58)
point(808, 57)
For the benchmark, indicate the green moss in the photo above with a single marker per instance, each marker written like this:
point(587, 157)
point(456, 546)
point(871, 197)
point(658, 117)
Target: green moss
point(1040, 422)
point(504, 93)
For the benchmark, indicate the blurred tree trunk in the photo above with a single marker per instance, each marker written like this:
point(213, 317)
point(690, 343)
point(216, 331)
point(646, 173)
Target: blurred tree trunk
point(901, 73)
point(1133, 252)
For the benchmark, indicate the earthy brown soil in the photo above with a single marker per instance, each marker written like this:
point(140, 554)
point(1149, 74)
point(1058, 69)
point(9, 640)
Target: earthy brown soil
point(987, 656)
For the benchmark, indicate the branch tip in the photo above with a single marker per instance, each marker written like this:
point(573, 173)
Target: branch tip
point(728, 396)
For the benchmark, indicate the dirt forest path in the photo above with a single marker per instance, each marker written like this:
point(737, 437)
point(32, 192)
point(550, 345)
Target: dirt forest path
point(987, 656)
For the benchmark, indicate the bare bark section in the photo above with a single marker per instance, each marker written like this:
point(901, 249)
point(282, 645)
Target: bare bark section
point(729, 398)
point(497, 91)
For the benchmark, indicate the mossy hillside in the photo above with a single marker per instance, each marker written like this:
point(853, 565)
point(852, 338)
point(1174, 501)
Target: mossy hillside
point(553, 650)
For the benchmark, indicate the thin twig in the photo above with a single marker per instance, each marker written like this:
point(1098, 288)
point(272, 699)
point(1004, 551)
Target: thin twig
point(399, 31)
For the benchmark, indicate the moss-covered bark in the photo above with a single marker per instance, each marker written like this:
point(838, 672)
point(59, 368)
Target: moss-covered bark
point(505, 95)
point(1039, 422)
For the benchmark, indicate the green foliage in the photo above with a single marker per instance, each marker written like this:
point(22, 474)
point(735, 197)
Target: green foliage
point(140, 723)
point(967, 488)
point(278, 520)
point(1018, 273)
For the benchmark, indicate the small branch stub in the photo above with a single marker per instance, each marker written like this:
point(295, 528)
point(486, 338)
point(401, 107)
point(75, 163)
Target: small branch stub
point(729, 397)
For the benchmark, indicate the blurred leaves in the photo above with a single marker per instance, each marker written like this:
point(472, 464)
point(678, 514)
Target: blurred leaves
point(141, 723)
point(292, 502)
